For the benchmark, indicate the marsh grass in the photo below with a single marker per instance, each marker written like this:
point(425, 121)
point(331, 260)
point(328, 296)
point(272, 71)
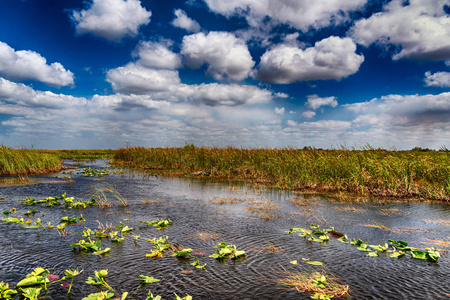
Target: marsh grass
point(80, 154)
point(351, 209)
point(104, 194)
point(445, 244)
point(265, 210)
point(24, 161)
point(382, 227)
point(368, 172)
point(303, 282)
point(226, 200)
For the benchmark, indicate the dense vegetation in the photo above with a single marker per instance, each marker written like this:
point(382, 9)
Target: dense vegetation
point(373, 172)
point(80, 154)
point(27, 161)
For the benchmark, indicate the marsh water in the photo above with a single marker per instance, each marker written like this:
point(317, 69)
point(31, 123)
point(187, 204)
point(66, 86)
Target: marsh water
point(205, 213)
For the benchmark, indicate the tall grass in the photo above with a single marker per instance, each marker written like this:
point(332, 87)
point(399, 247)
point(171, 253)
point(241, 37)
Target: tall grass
point(372, 172)
point(80, 153)
point(23, 161)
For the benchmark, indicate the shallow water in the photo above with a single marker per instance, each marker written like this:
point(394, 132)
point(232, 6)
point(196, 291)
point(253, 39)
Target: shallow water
point(199, 207)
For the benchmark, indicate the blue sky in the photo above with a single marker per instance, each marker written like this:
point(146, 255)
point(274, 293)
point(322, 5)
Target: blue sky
point(246, 73)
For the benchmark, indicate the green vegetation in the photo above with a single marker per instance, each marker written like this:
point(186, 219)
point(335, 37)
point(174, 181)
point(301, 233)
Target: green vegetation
point(27, 161)
point(368, 172)
point(80, 154)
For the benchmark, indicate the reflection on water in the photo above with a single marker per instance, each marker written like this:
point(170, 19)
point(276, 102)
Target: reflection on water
point(205, 213)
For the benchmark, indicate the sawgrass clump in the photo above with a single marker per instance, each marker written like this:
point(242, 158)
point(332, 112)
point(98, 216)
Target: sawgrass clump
point(368, 172)
point(22, 161)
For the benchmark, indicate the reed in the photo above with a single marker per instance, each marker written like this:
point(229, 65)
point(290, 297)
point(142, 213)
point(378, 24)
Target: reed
point(24, 161)
point(368, 172)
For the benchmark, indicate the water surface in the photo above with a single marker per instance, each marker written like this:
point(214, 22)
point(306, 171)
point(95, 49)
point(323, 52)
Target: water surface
point(251, 219)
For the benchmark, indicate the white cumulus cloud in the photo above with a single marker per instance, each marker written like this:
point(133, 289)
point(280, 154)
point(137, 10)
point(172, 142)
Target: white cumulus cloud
point(20, 94)
point(438, 79)
point(309, 114)
point(302, 15)
point(157, 55)
point(279, 111)
point(134, 78)
point(111, 19)
point(330, 58)
point(314, 101)
point(183, 21)
point(126, 102)
point(420, 28)
point(215, 94)
point(29, 65)
point(226, 55)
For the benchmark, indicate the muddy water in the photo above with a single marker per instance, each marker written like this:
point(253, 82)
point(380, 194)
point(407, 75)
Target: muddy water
point(205, 213)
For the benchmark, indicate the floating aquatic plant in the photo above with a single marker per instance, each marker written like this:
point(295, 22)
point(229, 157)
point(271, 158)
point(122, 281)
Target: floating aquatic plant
point(99, 296)
point(31, 293)
point(197, 264)
point(72, 273)
point(148, 279)
point(6, 292)
point(151, 297)
point(187, 297)
point(227, 251)
point(161, 223)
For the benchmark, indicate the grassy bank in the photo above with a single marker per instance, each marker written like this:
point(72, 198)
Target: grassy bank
point(27, 161)
point(416, 174)
point(80, 154)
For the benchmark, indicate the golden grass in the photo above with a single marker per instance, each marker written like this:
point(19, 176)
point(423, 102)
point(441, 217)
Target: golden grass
point(351, 209)
point(445, 244)
point(438, 221)
point(23, 161)
point(303, 282)
point(207, 236)
point(382, 227)
point(270, 248)
point(226, 200)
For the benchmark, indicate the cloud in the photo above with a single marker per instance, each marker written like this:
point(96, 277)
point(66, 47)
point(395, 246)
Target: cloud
point(215, 94)
point(183, 21)
point(126, 102)
point(302, 15)
point(420, 28)
point(111, 19)
point(158, 56)
point(438, 79)
point(406, 110)
point(314, 101)
point(279, 111)
point(134, 78)
point(281, 95)
point(309, 114)
point(18, 93)
point(29, 65)
point(226, 55)
point(330, 58)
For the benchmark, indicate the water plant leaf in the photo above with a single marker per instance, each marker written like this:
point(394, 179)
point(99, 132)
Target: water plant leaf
point(343, 239)
point(183, 252)
point(356, 242)
point(322, 296)
point(151, 297)
point(187, 297)
point(374, 253)
point(31, 293)
point(126, 229)
point(154, 254)
point(432, 254)
point(148, 279)
point(400, 243)
point(364, 247)
point(197, 264)
point(5, 291)
point(314, 263)
point(397, 254)
point(11, 220)
point(294, 262)
point(418, 254)
point(32, 280)
point(99, 296)
point(100, 252)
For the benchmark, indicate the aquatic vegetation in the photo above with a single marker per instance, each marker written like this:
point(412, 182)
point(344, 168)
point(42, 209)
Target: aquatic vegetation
point(368, 172)
point(99, 279)
point(320, 284)
point(99, 296)
point(151, 297)
point(187, 297)
point(161, 223)
point(89, 172)
point(271, 248)
point(72, 273)
point(182, 252)
point(197, 264)
point(24, 161)
point(148, 279)
point(6, 292)
point(314, 263)
point(38, 276)
point(31, 293)
point(101, 193)
point(68, 220)
point(227, 251)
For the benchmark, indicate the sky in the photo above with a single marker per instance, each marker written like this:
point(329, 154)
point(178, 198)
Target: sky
point(104, 74)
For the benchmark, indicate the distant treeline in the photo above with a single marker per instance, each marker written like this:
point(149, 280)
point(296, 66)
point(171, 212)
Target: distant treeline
point(371, 172)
